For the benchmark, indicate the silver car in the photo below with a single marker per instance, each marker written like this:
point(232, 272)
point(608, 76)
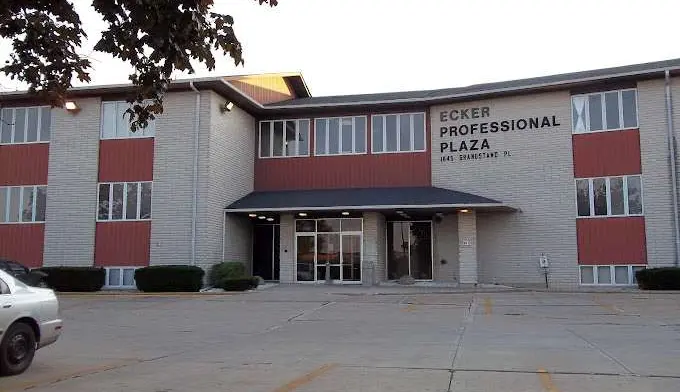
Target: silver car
point(29, 320)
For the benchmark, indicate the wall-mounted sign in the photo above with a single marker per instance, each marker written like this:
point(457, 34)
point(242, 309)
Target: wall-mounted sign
point(465, 140)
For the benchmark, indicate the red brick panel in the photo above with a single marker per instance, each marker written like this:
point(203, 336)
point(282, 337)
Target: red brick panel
point(23, 243)
point(24, 164)
point(607, 153)
point(347, 171)
point(355, 171)
point(122, 243)
point(126, 160)
point(611, 240)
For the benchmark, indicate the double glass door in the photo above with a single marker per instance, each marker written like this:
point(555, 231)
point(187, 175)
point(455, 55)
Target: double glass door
point(328, 252)
point(409, 250)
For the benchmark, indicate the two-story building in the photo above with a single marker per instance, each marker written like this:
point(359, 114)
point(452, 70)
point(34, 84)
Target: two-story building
point(476, 184)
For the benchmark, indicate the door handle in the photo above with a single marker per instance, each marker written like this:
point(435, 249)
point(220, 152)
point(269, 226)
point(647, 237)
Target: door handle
point(6, 306)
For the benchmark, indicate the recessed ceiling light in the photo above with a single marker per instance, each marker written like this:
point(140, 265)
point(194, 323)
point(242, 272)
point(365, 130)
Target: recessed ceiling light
point(270, 219)
point(261, 217)
point(302, 214)
point(464, 210)
point(345, 213)
point(252, 215)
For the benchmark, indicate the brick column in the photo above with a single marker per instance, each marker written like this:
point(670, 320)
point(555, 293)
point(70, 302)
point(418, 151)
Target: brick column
point(467, 247)
point(287, 269)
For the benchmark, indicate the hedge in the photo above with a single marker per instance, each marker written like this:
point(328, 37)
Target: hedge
point(81, 279)
point(665, 278)
point(169, 278)
point(239, 284)
point(226, 270)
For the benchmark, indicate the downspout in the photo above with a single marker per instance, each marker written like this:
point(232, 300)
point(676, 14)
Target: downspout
point(673, 162)
point(194, 208)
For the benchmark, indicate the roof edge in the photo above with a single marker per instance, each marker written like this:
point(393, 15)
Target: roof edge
point(373, 207)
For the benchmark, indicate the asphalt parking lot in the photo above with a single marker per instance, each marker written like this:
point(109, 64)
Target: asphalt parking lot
point(324, 339)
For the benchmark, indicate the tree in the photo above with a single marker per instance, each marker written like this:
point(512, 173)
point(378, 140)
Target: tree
point(156, 37)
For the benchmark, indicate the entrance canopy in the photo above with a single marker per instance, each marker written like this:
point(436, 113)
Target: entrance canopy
point(364, 199)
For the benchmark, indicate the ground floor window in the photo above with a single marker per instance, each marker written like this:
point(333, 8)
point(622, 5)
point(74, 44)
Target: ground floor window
point(329, 248)
point(622, 275)
point(120, 277)
point(409, 250)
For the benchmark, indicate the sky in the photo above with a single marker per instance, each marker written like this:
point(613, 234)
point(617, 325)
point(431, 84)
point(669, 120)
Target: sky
point(371, 46)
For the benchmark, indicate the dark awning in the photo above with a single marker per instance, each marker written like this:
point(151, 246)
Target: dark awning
point(364, 199)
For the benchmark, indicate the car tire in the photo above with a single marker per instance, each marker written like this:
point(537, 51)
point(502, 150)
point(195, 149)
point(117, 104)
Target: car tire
point(17, 349)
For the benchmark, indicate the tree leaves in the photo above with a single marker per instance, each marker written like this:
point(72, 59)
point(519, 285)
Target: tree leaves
point(45, 35)
point(156, 37)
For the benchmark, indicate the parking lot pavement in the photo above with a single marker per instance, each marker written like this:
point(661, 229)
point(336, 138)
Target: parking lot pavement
point(322, 339)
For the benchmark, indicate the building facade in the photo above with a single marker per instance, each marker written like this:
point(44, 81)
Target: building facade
point(567, 179)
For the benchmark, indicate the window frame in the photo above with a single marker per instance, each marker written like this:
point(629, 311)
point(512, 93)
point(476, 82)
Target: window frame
point(591, 197)
point(124, 203)
point(354, 133)
point(136, 135)
point(612, 274)
point(603, 104)
point(412, 133)
point(121, 274)
point(283, 146)
point(4, 210)
point(13, 125)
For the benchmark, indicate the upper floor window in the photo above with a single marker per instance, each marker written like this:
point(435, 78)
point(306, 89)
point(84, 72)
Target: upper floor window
point(124, 201)
point(22, 204)
point(115, 124)
point(340, 135)
point(398, 132)
point(25, 125)
point(284, 138)
point(609, 196)
point(604, 111)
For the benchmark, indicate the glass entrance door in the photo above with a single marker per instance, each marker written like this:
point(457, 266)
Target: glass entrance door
point(329, 249)
point(266, 254)
point(409, 250)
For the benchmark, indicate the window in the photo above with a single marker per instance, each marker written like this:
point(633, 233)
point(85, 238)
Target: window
point(284, 138)
point(124, 201)
point(398, 132)
point(604, 111)
point(22, 204)
point(115, 122)
point(4, 288)
point(120, 277)
point(621, 275)
point(609, 196)
point(340, 135)
point(25, 125)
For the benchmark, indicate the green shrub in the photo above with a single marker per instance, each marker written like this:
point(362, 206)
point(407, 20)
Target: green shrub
point(226, 270)
point(81, 279)
point(665, 278)
point(239, 284)
point(160, 278)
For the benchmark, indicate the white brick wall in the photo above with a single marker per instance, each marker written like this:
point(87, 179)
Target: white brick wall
point(229, 159)
point(72, 186)
point(225, 173)
point(171, 201)
point(656, 175)
point(467, 248)
point(374, 260)
point(287, 249)
point(537, 178)
point(445, 234)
